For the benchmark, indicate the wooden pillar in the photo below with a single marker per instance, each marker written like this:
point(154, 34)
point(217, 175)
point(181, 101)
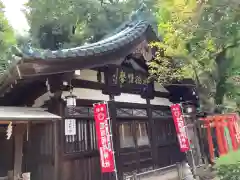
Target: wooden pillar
point(152, 131)
point(210, 141)
point(219, 135)
point(232, 134)
point(18, 146)
point(115, 134)
point(224, 141)
point(56, 107)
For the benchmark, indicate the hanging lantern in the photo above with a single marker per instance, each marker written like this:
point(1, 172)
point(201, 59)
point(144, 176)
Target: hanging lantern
point(71, 103)
point(71, 100)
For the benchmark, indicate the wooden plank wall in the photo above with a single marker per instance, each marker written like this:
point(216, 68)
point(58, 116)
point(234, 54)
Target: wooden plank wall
point(38, 152)
point(80, 157)
point(6, 151)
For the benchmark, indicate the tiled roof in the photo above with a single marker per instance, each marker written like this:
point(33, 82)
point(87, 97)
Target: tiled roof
point(125, 36)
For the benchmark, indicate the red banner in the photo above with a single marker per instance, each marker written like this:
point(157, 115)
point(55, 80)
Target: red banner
point(103, 137)
point(180, 127)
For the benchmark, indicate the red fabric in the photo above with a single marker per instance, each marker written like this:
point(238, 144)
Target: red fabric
point(103, 137)
point(180, 127)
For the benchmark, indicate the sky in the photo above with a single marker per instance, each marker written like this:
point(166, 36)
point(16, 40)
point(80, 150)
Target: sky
point(15, 16)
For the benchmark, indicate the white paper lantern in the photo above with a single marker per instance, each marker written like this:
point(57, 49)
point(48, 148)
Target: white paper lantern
point(71, 100)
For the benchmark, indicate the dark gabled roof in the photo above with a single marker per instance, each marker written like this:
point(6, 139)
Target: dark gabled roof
point(111, 50)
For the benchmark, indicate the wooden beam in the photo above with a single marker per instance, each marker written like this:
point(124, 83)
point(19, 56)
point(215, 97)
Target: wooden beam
point(18, 146)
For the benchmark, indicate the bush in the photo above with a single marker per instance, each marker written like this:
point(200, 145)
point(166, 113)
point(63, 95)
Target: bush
point(229, 172)
point(228, 166)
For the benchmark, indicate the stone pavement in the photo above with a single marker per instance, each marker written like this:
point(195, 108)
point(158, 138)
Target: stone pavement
point(204, 173)
point(164, 175)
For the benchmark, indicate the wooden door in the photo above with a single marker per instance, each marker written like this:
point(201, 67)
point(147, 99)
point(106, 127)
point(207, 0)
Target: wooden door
point(135, 148)
point(168, 152)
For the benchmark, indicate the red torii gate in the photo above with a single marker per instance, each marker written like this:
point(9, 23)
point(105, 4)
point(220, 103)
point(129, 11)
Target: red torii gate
point(219, 122)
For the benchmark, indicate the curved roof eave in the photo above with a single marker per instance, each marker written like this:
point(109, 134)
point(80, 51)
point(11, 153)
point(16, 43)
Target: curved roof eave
point(110, 50)
point(112, 43)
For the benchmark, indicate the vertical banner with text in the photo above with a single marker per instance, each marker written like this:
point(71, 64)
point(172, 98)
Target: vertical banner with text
point(103, 137)
point(180, 127)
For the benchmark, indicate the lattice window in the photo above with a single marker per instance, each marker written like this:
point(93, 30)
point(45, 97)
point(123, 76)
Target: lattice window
point(125, 112)
point(161, 113)
point(126, 135)
point(133, 134)
point(79, 111)
point(85, 138)
point(142, 134)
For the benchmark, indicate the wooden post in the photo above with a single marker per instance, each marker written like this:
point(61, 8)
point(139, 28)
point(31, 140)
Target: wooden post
point(224, 141)
point(219, 135)
point(153, 137)
point(18, 146)
point(210, 141)
point(56, 107)
point(232, 134)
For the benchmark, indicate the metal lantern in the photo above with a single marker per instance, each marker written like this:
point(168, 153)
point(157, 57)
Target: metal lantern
point(71, 103)
point(71, 100)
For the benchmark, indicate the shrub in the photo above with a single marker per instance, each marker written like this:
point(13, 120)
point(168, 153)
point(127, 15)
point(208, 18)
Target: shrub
point(228, 166)
point(229, 172)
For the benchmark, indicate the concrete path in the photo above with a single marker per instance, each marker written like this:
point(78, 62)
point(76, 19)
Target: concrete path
point(166, 175)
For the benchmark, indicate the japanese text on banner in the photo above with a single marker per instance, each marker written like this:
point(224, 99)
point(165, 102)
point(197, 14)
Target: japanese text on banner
point(103, 137)
point(180, 127)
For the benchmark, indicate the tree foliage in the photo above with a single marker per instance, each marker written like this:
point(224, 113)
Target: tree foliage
point(203, 38)
point(64, 23)
point(173, 17)
point(7, 39)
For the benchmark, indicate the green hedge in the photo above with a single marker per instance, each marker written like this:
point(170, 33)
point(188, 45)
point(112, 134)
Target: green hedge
point(229, 172)
point(228, 166)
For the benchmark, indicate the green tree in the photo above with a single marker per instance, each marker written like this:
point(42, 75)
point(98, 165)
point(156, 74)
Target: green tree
point(62, 23)
point(220, 25)
point(7, 39)
point(200, 36)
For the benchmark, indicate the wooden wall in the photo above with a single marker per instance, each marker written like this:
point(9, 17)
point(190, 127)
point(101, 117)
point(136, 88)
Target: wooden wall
point(156, 148)
point(39, 153)
point(6, 151)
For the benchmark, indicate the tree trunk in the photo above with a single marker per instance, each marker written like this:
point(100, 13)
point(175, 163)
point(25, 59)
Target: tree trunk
point(220, 92)
point(222, 65)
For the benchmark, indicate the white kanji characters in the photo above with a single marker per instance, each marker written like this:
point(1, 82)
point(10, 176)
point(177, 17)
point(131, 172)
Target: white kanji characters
point(180, 124)
point(102, 132)
point(106, 164)
point(103, 140)
point(183, 141)
point(105, 146)
point(102, 125)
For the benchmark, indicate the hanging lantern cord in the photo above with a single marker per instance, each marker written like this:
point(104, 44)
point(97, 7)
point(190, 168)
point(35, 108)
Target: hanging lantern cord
point(71, 87)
